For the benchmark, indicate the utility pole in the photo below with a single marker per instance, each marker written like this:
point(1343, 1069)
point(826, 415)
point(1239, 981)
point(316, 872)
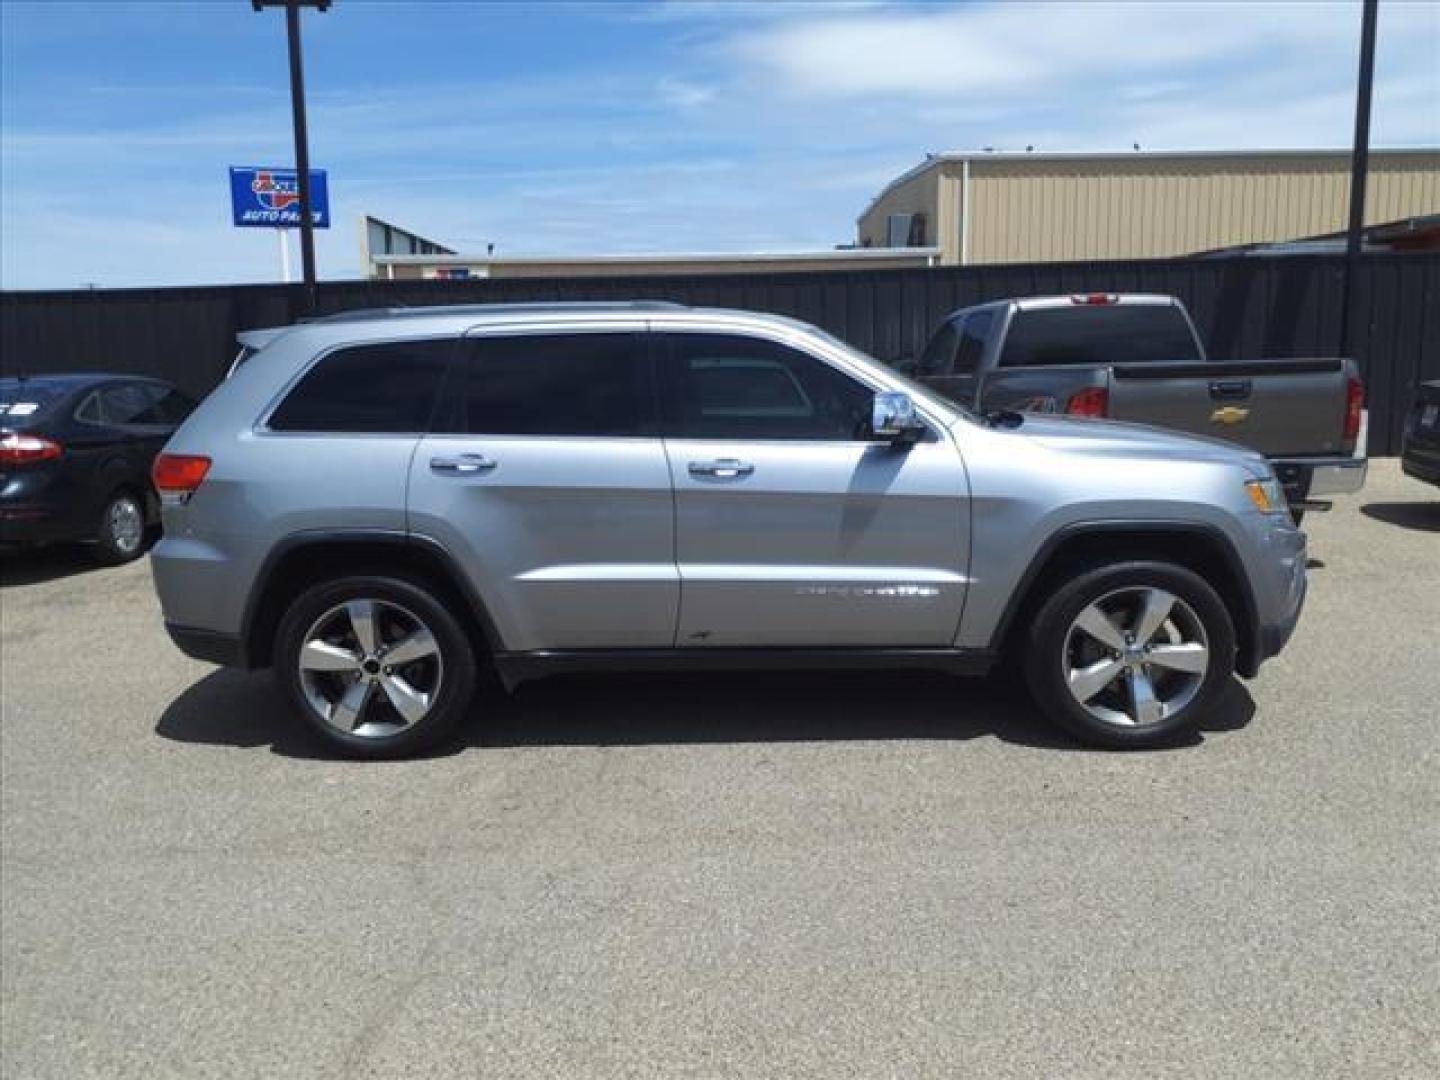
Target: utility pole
point(302, 138)
point(1359, 167)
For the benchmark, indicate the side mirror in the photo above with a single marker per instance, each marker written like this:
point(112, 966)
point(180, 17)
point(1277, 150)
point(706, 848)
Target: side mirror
point(893, 418)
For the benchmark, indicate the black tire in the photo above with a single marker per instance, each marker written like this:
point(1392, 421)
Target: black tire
point(399, 597)
point(120, 536)
point(1049, 644)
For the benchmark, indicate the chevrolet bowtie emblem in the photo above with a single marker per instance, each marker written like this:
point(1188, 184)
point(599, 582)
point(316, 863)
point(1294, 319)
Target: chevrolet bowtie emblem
point(1230, 414)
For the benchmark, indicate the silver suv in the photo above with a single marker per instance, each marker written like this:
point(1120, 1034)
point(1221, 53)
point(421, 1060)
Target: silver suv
point(380, 503)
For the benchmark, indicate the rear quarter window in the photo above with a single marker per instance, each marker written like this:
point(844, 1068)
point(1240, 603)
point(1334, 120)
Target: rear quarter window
point(1096, 335)
point(387, 388)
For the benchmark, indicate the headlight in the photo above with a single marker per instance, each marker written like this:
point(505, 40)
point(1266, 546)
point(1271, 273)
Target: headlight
point(1267, 495)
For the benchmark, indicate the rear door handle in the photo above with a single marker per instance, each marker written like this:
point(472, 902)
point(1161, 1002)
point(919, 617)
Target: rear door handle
point(462, 464)
point(722, 468)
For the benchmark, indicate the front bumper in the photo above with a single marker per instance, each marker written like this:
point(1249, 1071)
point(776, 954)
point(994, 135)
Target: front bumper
point(1278, 563)
point(1276, 635)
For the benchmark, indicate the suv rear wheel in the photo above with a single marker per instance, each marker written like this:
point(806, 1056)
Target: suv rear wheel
point(1131, 655)
point(376, 665)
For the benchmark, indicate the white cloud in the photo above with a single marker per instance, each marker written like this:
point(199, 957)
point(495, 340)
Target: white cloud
point(684, 95)
point(1028, 49)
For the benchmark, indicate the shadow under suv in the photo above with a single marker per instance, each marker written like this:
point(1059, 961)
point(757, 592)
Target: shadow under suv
point(378, 504)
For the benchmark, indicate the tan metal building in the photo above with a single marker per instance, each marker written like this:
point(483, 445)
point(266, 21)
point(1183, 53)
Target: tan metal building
point(1041, 207)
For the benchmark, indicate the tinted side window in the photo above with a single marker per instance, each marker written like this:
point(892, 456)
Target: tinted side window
point(368, 389)
point(724, 386)
point(972, 342)
point(128, 403)
point(172, 405)
point(1132, 334)
point(559, 384)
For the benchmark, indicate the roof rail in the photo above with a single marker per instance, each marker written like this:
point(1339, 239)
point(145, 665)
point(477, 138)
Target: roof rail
point(540, 307)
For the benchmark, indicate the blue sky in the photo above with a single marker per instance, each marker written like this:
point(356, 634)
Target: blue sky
point(618, 127)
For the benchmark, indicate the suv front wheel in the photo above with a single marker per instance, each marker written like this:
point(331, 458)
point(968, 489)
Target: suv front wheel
point(376, 665)
point(1132, 654)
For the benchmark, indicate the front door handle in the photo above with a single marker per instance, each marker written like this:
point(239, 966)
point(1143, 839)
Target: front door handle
point(462, 464)
point(722, 468)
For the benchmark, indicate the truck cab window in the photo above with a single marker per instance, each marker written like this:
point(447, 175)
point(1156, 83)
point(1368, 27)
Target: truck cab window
point(972, 342)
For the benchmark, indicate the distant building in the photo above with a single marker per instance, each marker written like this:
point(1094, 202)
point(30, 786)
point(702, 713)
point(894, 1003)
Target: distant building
point(1051, 207)
point(1033, 207)
point(391, 253)
point(380, 238)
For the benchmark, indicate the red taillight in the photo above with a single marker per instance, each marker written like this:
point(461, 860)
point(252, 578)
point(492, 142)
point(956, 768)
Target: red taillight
point(1354, 409)
point(17, 448)
point(1095, 299)
point(1092, 401)
point(179, 473)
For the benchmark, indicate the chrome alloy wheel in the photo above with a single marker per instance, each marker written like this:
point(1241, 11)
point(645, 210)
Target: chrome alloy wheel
point(370, 668)
point(125, 522)
point(1135, 657)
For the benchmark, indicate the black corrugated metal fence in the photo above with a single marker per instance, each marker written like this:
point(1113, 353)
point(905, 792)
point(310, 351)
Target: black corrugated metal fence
point(1249, 307)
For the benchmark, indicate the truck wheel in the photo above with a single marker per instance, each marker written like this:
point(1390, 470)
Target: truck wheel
point(376, 665)
point(1131, 655)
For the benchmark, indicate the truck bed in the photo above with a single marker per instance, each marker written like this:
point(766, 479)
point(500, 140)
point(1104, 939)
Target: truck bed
point(1282, 408)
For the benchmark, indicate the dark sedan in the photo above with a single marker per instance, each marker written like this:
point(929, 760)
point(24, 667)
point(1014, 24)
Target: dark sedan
point(1420, 455)
point(75, 454)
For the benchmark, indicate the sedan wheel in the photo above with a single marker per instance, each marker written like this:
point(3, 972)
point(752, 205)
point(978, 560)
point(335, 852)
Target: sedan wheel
point(121, 536)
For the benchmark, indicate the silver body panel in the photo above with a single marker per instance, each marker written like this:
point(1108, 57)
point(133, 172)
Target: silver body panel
point(570, 541)
point(585, 543)
point(836, 543)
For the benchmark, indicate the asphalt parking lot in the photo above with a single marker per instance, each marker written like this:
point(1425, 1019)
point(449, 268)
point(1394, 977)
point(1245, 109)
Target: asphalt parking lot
point(869, 875)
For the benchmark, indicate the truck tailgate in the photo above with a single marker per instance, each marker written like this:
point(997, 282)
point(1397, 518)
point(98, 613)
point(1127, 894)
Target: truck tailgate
point(1279, 407)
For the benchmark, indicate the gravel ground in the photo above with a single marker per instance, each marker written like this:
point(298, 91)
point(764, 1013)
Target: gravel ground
point(839, 875)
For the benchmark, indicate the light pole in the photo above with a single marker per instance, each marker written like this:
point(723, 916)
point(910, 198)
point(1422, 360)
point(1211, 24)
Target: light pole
point(1359, 167)
point(302, 139)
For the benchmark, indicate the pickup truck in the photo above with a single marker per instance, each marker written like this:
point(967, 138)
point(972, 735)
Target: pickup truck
point(1137, 357)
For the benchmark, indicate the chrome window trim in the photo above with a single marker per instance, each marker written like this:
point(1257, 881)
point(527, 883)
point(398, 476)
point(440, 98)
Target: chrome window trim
point(778, 329)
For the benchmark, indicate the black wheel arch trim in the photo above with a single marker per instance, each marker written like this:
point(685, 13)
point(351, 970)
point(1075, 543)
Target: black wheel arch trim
point(391, 538)
point(1250, 638)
